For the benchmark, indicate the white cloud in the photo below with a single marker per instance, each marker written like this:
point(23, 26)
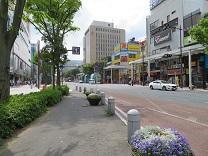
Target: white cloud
point(129, 15)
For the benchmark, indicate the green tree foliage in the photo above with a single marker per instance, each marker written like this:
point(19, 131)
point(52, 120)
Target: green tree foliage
point(67, 73)
point(200, 32)
point(75, 71)
point(53, 19)
point(8, 34)
point(88, 69)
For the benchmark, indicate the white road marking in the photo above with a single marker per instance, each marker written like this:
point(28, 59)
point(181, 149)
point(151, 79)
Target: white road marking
point(153, 103)
point(121, 111)
point(179, 117)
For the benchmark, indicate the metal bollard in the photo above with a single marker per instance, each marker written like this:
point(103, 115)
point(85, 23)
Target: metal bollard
point(80, 89)
point(76, 88)
point(31, 86)
point(102, 94)
point(98, 91)
point(133, 123)
point(111, 105)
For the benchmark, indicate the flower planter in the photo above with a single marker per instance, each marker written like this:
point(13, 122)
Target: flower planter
point(153, 140)
point(94, 102)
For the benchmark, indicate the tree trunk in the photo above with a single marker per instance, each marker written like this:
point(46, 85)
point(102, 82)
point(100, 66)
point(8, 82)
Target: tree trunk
point(53, 76)
point(58, 75)
point(4, 72)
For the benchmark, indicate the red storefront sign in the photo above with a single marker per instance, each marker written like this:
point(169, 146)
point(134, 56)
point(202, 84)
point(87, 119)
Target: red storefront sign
point(174, 72)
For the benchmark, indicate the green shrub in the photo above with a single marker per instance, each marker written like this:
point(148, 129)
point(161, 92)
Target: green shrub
point(23, 109)
point(85, 89)
point(88, 92)
point(64, 90)
point(6, 126)
point(93, 96)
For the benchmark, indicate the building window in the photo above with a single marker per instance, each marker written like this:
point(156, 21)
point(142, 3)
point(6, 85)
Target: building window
point(154, 25)
point(190, 21)
point(117, 57)
point(151, 40)
point(132, 56)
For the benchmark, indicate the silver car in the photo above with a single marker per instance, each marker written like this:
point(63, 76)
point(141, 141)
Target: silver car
point(162, 85)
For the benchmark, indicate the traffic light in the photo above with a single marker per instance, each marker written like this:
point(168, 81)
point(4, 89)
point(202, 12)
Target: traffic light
point(76, 50)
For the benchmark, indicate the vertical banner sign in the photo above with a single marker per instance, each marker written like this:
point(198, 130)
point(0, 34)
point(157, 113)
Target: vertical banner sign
point(96, 68)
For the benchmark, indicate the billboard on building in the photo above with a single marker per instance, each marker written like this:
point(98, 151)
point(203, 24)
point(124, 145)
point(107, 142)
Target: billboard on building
point(162, 37)
point(117, 48)
point(123, 47)
point(133, 47)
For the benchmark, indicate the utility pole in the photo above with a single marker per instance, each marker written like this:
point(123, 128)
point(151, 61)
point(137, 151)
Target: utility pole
point(38, 64)
point(143, 68)
point(181, 76)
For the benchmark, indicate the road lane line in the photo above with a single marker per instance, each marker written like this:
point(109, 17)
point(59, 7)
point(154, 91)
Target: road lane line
point(124, 114)
point(179, 117)
point(153, 103)
point(121, 118)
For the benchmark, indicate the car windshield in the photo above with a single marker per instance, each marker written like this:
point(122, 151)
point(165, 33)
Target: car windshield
point(164, 81)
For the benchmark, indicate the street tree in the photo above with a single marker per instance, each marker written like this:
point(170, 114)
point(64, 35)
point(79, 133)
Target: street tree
point(200, 32)
point(9, 32)
point(53, 19)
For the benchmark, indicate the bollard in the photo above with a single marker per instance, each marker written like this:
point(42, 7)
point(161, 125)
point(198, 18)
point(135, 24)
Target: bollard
point(91, 90)
point(102, 94)
point(98, 91)
point(133, 123)
point(76, 88)
point(111, 105)
point(80, 89)
point(31, 86)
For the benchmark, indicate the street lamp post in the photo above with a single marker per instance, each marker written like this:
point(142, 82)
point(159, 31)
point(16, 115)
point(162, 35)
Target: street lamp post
point(181, 76)
point(143, 68)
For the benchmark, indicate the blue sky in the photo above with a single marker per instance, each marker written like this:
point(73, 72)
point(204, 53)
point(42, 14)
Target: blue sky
point(129, 15)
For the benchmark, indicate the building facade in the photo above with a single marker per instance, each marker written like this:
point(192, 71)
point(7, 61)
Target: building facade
point(99, 40)
point(172, 54)
point(20, 57)
point(34, 68)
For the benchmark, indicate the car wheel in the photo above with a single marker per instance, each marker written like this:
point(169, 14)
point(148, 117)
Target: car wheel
point(151, 87)
point(163, 88)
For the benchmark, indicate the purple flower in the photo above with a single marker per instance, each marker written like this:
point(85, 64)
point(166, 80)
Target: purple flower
point(153, 140)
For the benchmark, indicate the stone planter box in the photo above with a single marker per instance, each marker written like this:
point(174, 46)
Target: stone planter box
point(94, 102)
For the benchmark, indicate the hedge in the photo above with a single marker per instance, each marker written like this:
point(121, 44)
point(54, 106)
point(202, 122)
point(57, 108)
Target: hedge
point(23, 109)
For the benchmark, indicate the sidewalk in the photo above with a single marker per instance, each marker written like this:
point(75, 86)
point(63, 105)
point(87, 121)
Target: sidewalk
point(23, 89)
point(72, 128)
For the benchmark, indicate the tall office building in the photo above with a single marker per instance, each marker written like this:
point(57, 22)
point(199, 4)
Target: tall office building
point(100, 39)
point(172, 54)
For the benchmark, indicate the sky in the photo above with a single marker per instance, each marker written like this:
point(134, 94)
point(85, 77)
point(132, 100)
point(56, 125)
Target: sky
point(129, 15)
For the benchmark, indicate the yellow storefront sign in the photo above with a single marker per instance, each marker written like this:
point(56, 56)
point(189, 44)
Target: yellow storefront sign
point(133, 47)
point(117, 48)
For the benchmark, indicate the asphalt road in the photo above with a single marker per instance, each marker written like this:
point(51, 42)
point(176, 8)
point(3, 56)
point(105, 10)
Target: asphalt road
point(183, 110)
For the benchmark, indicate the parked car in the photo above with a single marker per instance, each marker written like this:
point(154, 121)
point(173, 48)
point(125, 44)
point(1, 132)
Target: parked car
point(80, 81)
point(162, 85)
point(91, 81)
